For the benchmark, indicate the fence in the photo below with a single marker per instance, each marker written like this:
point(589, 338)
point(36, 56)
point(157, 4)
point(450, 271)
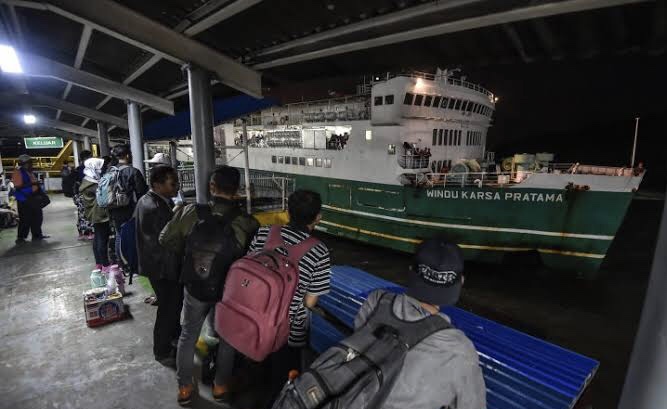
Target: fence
point(413, 161)
point(267, 191)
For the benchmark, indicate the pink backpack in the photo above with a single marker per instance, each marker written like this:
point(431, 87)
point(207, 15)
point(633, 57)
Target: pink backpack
point(253, 315)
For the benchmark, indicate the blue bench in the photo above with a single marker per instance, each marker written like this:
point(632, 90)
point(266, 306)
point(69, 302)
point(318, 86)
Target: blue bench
point(520, 371)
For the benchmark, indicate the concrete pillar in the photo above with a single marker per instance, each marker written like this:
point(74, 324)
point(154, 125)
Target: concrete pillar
point(86, 144)
point(103, 136)
point(75, 152)
point(646, 381)
point(136, 135)
point(173, 145)
point(201, 124)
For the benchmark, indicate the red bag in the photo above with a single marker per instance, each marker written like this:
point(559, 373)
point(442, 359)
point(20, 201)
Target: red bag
point(253, 315)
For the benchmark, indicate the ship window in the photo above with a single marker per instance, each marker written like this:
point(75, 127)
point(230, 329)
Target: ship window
point(452, 102)
point(451, 137)
point(389, 100)
point(280, 160)
point(377, 101)
point(408, 98)
point(428, 100)
point(310, 161)
point(295, 160)
point(273, 159)
point(464, 105)
point(433, 166)
point(435, 136)
point(467, 137)
point(444, 102)
point(436, 102)
point(457, 106)
point(391, 149)
point(418, 99)
point(318, 162)
point(458, 140)
point(302, 161)
point(440, 136)
point(469, 107)
point(327, 163)
point(477, 107)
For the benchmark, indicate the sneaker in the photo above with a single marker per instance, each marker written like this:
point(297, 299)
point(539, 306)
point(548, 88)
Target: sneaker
point(99, 267)
point(221, 394)
point(185, 393)
point(20, 240)
point(90, 237)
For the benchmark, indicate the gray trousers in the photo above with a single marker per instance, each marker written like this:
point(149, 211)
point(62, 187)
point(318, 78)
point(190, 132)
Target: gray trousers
point(194, 315)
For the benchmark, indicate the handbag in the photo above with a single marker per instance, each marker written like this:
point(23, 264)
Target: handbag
point(39, 199)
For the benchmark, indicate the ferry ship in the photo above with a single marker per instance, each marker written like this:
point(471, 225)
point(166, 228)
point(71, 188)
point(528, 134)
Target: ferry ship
point(405, 159)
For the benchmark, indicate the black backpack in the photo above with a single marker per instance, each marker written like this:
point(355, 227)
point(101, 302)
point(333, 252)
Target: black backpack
point(211, 247)
point(361, 371)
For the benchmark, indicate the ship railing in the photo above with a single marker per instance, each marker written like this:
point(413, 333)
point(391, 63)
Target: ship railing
point(434, 77)
point(413, 161)
point(583, 169)
point(478, 179)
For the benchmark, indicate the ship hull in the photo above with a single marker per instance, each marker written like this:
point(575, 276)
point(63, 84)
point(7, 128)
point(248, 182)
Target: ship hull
point(570, 230)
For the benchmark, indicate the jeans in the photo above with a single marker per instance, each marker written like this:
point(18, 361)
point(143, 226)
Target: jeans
point(194, 314)
point(117, 223)
point(168, 319)
point(30, 220)
point(101, 243)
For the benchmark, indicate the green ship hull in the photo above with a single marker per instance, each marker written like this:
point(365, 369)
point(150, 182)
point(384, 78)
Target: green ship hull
point(570, 230)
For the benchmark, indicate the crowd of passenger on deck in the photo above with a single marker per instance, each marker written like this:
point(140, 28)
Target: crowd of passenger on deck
point(176, 242)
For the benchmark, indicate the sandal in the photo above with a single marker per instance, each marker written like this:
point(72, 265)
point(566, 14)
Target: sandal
point(150, 300)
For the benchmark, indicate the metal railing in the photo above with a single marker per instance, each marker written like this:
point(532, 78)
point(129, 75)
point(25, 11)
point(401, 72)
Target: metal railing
point(413, 161)
point(434, 77)
point(268, 192)
point(478, 179)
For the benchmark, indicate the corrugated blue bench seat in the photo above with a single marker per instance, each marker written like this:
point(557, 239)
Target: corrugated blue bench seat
point(520, 371)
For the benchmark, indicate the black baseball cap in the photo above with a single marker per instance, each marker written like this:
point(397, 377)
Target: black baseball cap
point(439, 273)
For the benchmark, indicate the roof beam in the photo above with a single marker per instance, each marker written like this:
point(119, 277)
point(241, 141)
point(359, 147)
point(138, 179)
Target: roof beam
point(182, 25)
point(515, 39)
point(504, 17)
point(37, 66)
point(219, 16)
point(46, 6)
point(371, 23)
point(67, 127)
point(114, 17)
point(78, 60)
point(45, 100)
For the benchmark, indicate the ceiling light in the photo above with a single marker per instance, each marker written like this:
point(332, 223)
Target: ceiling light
point(29, 119)
point(9, 61)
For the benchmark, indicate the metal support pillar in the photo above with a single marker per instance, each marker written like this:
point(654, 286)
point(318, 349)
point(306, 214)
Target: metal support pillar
point(103, 136)
point(136, 135)
point(86, 143)
point(201, 123)
point(75, 152)
point(246, 168)
point(173, 146)
point(646, 381)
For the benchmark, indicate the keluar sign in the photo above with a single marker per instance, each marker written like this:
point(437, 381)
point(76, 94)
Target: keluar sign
point(43, 142)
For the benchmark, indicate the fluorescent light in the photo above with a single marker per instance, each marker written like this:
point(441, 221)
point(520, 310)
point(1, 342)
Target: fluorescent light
point(29, 119)
point(9, 61)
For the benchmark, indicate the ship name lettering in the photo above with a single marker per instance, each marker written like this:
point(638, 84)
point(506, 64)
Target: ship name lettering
point(480, 195)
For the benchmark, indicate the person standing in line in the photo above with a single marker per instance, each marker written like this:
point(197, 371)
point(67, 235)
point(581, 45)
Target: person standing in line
point(304, 208)
point(132, 183)
point(99, 217)
point(83, 225)
point(30, 212)
point(223, 187)
point(161, 266)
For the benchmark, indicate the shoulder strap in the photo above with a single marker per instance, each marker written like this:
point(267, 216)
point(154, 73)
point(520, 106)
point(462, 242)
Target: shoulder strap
point(274, 239)
point(296, 252)
point(411, 332)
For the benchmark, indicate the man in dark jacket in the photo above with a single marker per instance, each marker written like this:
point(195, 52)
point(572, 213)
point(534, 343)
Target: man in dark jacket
point(152, 213)
point(223, 186)
point(132, 183)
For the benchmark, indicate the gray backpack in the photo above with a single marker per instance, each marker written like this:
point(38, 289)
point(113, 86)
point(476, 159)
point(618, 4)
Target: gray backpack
point(361, 371)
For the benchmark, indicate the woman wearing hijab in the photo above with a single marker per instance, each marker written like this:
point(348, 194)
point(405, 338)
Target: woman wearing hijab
point(93, 170)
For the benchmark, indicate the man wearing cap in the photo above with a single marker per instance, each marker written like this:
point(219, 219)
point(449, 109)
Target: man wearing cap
point(30, 214)
point(443, 370)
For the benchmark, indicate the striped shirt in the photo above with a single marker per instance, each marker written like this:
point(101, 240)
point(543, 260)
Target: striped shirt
point(314, 277)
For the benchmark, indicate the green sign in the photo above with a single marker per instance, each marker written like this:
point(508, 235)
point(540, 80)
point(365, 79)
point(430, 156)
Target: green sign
point(43, 142)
